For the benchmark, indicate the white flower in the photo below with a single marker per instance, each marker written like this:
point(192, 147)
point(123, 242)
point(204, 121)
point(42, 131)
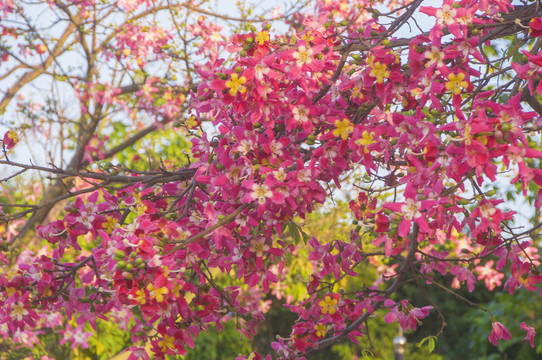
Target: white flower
point(303, 56)
point(18, 311)
point(85, 219)
point(411, 209)
point(304, 175)
point(301, 113)
point(258, 247)
point(435, 56)
point(279, 174)
point(261, 192)
point(260, 70)
point(487, 210)
point(245, 146)
point(446, 15)
point(276, 147)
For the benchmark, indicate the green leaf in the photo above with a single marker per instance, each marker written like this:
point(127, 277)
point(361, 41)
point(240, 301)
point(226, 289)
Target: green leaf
point(431, 344)
point(294, 232)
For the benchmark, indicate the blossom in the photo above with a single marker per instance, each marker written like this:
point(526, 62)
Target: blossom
point(262, 37)
point(303, 56)
point(10, 139)
point(328, 305)
point(521, 276)
point(260, 70)
point(140, 297)
point(75, 335)
point(491, 277)
point(129, 5)
point(191, 122)
point(498, 332)
point(166, 343)
point(280, 174)
point(18, 311)
point(261, 192)
point(456, 82)
point(446, 15)
point(530, 333)
point(363, 208)
point(535, 27)
point(301, 113)
point(435, 56)
point(463, 274)
point(236, 84)
point(157, 293)
point(258, 247)
point(487, 210)
point(343, 128)
point(366, 139)
point(490, 216)
point(407, 316)
point(411, 209)
point(320, 329)
point(379, 71)
point(110, 224)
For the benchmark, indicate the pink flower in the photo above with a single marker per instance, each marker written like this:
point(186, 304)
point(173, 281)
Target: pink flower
point(535, 27)
point(498, 332)
point(530, 333)
point(10, 139)
point(262, 193)
point(137, 353)
point(410, 209)
point(491, 277)
point(464, 274)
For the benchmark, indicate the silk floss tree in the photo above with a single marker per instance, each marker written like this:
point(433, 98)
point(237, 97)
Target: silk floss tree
point(274, 115)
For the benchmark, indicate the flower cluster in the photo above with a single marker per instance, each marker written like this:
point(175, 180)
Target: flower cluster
point(293, 116)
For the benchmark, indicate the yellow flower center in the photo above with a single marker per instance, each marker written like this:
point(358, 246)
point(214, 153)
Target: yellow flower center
point(236, 84)
point(140, 297)
point(18, 311)
point(328, 305)
point(110, 224)
point(261, 192)
point(166, 343)
point(303, 56)
point(366, 140)
point(157, 293)
point(379, 71)
point(320, 330)
point(343, 128)
point(356, 92)
point(308, 36)
point(262, 37)
point(456, 83)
